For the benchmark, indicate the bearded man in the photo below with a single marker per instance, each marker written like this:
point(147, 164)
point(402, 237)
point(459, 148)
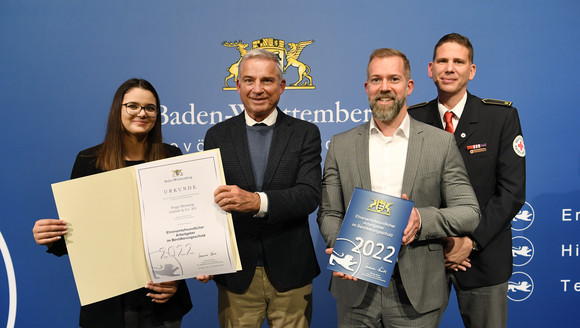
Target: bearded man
point(399, 156)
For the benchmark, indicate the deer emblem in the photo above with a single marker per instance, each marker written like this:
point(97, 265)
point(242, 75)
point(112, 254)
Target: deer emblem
point(234, 67)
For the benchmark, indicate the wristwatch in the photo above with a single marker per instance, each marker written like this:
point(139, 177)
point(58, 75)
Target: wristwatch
point(475, 245)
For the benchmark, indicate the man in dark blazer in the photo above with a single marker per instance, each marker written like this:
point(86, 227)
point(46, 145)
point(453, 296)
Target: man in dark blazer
point(400, 156)
point(489, 138)
point(272, 168)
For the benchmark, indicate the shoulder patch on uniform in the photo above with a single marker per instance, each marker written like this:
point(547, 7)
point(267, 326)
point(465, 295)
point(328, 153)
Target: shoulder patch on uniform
point(519, 147)
point(489, 101)
point(418, 105)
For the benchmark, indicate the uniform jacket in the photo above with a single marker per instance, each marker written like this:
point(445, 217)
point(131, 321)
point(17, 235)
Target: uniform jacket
point(498, 176)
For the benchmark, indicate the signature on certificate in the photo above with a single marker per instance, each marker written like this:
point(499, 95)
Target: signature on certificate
point(210, 254)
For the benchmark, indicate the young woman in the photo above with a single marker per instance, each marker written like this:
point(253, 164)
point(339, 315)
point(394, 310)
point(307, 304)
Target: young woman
point(133, 137)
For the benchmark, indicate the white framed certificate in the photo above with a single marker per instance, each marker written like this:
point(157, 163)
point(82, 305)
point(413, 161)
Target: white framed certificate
point(185, 233)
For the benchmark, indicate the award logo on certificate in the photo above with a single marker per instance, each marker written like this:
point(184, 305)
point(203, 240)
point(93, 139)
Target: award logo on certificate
point(370, 237)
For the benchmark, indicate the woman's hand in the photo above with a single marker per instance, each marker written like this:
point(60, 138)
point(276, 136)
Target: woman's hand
point(163, 290)
point(48, 231)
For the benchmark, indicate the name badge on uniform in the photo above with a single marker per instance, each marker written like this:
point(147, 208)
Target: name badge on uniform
point(477, 148)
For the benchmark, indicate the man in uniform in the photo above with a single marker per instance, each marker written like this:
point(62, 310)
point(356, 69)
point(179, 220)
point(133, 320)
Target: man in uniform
point(489, 137)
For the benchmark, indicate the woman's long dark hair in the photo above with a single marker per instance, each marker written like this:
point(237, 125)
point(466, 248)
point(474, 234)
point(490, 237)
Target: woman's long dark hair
point(111, 155)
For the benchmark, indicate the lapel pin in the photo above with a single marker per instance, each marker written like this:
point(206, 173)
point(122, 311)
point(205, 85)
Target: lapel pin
point(463, 135)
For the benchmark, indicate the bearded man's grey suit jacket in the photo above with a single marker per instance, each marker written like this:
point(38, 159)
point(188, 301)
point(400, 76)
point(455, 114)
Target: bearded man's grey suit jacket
point(435, 179)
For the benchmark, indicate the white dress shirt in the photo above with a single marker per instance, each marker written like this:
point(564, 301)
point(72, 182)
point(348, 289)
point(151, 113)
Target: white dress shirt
point(387, 158)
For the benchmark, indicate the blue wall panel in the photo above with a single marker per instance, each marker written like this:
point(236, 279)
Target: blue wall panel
point(61, 62)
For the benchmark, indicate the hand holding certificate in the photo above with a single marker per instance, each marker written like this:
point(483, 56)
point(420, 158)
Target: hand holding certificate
point(370, 237)
point(183, 229)
point(153, 221)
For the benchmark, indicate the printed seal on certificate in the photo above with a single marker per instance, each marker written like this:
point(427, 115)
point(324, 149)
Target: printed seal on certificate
point(370, 237)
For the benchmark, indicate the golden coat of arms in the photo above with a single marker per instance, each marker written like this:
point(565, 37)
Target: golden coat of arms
point(380, 206)
point(288, 54)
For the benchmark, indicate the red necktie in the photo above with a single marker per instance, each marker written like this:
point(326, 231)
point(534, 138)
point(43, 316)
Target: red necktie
point(448, 122)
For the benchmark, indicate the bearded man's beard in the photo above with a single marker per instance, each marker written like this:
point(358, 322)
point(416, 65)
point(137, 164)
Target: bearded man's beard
point(386, 113)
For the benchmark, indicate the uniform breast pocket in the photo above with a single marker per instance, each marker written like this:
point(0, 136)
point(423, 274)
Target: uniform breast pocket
point(478, 153)
point(483, 160)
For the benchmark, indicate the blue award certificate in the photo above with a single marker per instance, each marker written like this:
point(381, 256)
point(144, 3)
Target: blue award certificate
point(370, 237)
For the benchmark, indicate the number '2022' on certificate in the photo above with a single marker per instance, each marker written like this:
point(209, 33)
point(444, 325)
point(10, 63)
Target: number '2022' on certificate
point(370, 237)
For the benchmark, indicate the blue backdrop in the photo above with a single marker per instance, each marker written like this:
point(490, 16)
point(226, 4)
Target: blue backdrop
point(61, 61)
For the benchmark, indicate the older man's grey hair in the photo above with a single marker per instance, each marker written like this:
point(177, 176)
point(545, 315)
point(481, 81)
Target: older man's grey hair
point(263, 54)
